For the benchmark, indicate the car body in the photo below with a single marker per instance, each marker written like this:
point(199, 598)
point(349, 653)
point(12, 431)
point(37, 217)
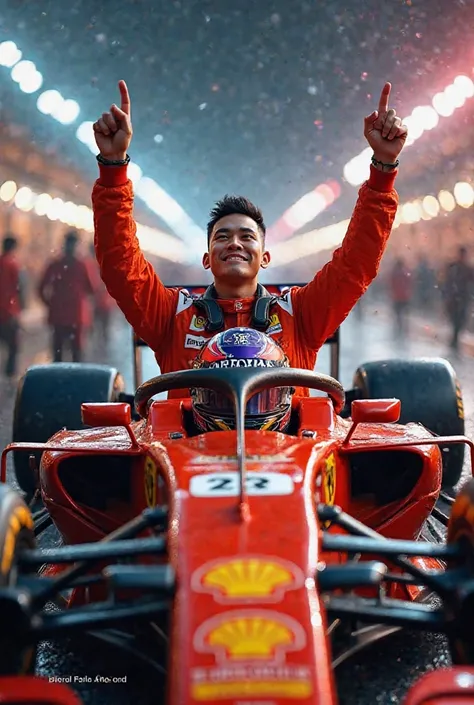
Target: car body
point(258, 553)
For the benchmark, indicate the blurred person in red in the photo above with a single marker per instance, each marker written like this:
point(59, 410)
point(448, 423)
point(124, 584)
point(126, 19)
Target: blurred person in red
point(401, 292)
point(104, 304)
point(173, 323)
point(458, 288)
point(65, 288)
point(11, 302)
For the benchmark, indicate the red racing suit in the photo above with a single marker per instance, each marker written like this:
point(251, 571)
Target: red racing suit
point(65, 288)
point(10, 288)
point(301, 320)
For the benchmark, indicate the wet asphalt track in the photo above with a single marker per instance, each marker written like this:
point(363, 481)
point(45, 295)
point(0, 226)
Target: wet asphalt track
point(379, 675)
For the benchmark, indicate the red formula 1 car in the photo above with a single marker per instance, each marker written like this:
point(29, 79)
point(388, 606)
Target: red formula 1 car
point(244, 565)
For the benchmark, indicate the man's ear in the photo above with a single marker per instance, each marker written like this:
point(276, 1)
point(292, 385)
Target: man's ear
point(205, 261)
point(266, 257)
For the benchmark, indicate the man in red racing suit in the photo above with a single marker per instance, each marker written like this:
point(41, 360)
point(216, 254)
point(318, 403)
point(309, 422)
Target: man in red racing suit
point(173, 323)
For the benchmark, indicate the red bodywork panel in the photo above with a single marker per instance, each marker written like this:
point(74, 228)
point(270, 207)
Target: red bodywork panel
point(248, 624)
point(448, 686)
point(30, 690)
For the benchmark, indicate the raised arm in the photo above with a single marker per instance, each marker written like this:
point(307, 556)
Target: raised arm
point(130, 279)
point(323, 304)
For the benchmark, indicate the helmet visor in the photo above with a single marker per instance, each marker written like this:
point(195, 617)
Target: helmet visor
point(266, 401)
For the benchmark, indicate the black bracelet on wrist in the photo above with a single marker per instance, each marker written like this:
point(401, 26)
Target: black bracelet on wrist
point(113, 162)
point(389, 166)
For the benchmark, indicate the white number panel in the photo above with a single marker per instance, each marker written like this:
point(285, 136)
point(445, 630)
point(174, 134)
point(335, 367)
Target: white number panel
point(226, 484)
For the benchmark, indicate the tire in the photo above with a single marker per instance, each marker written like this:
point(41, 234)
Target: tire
point(16, 534)
point(49, 398)
point(430, 394)
point(461, 609)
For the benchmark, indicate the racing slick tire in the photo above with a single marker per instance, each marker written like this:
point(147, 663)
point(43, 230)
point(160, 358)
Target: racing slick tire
point(49, 398)
point(16, 534)
point(430, 394)
point(461, 608)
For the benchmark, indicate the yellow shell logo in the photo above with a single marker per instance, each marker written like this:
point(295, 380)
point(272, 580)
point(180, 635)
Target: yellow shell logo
point(251, 635)
point(249, 578)
point(250, 638)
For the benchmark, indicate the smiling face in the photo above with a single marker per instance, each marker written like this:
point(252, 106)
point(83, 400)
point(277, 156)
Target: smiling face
point(236, 249)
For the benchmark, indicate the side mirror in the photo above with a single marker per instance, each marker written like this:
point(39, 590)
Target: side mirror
point(106, 414)
point(375, 411)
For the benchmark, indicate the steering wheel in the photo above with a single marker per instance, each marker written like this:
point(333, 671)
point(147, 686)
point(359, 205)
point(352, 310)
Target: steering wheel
point(239, 383)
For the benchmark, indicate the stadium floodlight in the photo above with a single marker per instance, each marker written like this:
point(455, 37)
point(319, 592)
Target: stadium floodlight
point(25, 198)
point(442, 105)
point(455, 95)
point(55, 209)
point(70, 213)
point(411, 212)
point(31, 83)
point(427, 115)
point(464, 194)
point(465, 84)
point(327, 238)
point(49, 101)
point(66, 112)
point(430, 205)
point(43, 203)
point(151, 240)
point(9, 54)
point(446, 200)
point(22, 70)
point(7, 191)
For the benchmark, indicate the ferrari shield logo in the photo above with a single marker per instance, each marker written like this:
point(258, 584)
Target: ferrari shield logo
point(150, 482)
point(329, 480)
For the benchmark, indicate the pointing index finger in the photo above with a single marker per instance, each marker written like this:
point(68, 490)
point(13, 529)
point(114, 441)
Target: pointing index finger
point(384, 98)
point(124, 98)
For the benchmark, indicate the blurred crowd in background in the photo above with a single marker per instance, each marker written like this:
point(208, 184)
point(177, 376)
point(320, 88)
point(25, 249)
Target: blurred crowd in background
point(432, 292)
point(75, 302)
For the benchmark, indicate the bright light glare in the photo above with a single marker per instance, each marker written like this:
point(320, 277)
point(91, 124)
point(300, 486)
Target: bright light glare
point(358, 169)
point(70, 213)
point(66, 112)
point(85, 134)
point(455, 95)
point(447, 200)
point(427, 115)
point(43, 203)
point(25, 198)
point(49, 101)
point(9, 54)
point(7, 191)
point(31, 83)
point(465, 84)
point(411, 213)
point(55, 209)
point(464, 194)
point(134, 173)
point(22, 71)
point(431, 206)
point(442, 105)
point(304, 210)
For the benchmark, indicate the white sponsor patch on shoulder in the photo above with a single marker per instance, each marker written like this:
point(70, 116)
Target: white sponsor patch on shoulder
point(195, 341)
point(285, 302)
point(185, 300)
